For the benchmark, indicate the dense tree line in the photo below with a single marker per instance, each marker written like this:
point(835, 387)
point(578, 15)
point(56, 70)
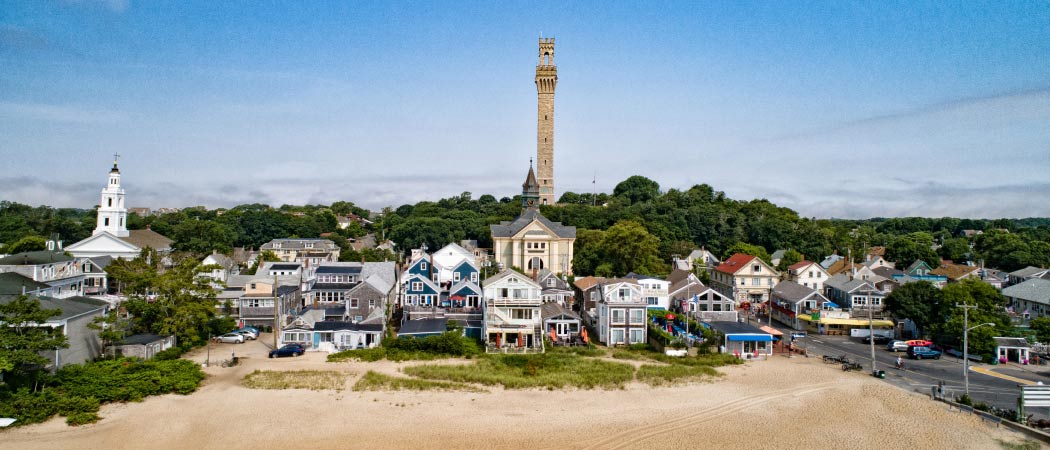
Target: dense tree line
point(677, 220)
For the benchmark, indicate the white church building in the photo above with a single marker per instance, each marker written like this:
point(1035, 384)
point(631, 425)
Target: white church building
point(111, 236)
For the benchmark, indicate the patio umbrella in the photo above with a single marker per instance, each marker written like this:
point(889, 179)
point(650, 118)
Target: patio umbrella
point(583, 334)
point(554, 336)
point(521, 342)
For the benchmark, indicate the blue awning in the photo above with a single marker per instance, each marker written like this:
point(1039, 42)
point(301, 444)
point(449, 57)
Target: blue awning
point(749, 337)
point(831, 304)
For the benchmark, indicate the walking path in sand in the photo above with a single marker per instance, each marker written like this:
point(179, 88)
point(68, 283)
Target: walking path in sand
point(783, 403)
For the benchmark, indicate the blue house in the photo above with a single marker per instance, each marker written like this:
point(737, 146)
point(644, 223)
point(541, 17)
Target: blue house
point(420, 291)
point(465, 270)
point(422, 267)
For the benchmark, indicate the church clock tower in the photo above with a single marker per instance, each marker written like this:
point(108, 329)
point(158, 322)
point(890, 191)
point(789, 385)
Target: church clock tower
point(546, 80)
point(112, 215)
point(530, 191)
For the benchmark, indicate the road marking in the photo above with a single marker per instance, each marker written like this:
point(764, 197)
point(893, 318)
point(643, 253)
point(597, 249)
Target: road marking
point(992, 373)
point(818, 341)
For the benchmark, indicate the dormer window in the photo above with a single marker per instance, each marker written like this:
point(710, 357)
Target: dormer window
point(756, 268)
point(423, 265)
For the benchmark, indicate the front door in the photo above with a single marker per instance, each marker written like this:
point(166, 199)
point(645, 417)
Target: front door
point(563, 329)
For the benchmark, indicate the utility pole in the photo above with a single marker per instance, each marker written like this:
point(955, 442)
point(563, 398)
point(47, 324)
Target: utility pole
point(276, 314)
point(966, 346)
point(871, 336)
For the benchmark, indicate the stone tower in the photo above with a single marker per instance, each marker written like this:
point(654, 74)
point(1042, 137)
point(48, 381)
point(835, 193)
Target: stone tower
point(112, 215)
point(546, 80)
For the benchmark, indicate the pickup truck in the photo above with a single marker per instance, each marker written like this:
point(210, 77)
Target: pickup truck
point(923, 353)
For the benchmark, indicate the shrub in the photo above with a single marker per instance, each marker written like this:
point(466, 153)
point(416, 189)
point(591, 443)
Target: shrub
point(550, 370)
point(81, 418)
point(373, 381)
point(314, 380)
point(445, 345)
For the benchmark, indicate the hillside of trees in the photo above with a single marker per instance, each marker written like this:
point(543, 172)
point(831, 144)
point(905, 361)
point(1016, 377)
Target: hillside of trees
point(638, 227)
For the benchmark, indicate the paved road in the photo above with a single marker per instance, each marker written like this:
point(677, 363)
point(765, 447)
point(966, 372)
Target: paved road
point(921, 375)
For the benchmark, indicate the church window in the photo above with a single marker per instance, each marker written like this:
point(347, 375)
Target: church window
point(105, 221)
point(109, 202)
point(121, 222)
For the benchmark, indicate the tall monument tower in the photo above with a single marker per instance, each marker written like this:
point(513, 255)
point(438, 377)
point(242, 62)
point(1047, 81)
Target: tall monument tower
point(546, 80)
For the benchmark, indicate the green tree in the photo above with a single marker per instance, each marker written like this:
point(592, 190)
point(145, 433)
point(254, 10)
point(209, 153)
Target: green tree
point(747, 249)
point(23, 338)
point(989, 309)
point(790, 258)
point(904, 250)
point(920, 302)
point(628, 247)
point(27, 244)
point(955, 249)
point(637, 189)
point(180, 301)
point(1041, 326)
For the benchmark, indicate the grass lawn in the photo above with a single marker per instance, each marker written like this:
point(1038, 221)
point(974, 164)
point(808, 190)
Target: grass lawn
point(374, 381)
point(315, 380)
point(553, 370)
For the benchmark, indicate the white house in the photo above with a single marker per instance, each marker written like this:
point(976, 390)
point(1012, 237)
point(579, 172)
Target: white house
point(62, 273)
point(744, 278)
point(654, 290)
point(808, 274)
point(513, 322)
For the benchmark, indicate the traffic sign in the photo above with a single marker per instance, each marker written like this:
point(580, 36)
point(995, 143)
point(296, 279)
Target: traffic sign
point(798, 335)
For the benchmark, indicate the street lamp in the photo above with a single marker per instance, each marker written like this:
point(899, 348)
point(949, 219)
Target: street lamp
point(966, 351)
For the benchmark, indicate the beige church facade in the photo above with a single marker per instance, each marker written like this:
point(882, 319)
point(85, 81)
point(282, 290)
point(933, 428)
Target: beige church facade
point(532, 242)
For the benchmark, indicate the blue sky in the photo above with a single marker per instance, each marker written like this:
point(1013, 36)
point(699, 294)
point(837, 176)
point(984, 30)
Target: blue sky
point(834, 109)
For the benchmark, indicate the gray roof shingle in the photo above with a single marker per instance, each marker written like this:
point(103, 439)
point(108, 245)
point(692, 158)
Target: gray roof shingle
point(508, 229)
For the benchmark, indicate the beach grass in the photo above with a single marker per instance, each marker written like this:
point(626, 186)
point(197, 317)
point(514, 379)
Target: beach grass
point(548, 370)
point(315, 380)
point(657, 375)
point(374, 381)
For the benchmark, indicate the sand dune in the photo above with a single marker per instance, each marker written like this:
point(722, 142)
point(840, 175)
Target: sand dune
point(783, 403)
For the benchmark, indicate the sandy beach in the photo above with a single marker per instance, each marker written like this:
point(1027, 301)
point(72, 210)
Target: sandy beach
point(794, 403)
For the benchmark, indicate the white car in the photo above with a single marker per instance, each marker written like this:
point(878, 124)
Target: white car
point(248, 334)
point(231, 338)
point(897, 346)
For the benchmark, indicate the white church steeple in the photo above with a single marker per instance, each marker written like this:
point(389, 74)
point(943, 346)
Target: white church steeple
point(112, 215)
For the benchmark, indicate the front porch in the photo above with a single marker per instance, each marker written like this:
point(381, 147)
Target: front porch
point(513, 341)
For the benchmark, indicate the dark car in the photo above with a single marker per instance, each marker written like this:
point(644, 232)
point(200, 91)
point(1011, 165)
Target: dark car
point(288, 350)
point(923, 353)
point(878, 339)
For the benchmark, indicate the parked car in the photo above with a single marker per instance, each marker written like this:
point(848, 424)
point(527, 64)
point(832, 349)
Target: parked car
point(230, 338)
point(288, 350)
point(879, 339)
point(923, 353)
point(897, 346)
point(248, 334)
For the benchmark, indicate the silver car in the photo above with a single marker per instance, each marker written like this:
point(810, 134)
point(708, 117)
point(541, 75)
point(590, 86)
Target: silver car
point(248, 334)
point(897, 346)
point(230, 338)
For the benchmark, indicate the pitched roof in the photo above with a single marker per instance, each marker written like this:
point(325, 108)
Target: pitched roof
point(1030, 271)
point(424, 326)
point(139, 339)
point(1034, 290)
point(678, 275)
point(328, 268)
point(888, 272)
point(800, 265)
point(147, 238)
point(508, 229)
point(954, 271)
point(877, 250)
point(735, 263)
point(300, 244)
point(530, 184)
point(588, 282)
point(551, 309)
point(69, 306)
point(507, 273)
point(12, 283)
point(842, 266)
point(34, 258)
point(338, 325)
point(790, 290)
point(843, 283)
